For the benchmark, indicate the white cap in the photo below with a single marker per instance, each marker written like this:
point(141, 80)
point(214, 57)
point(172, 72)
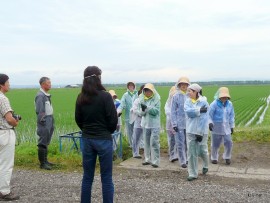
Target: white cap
point(195, 87)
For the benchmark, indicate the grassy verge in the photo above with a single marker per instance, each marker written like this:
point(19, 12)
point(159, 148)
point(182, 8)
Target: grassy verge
point(260, 134)
point(26, 157)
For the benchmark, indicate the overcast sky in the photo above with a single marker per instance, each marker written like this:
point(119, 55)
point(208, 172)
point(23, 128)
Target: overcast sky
point(141, 41)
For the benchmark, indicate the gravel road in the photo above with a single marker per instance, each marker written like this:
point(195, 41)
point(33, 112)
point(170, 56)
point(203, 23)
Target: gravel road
point(136, 186)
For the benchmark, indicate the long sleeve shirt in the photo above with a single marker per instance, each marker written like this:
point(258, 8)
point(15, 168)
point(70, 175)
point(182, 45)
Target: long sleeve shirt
point(197, 123)
point(178, 117)
point(222, 117)
point(97, 120)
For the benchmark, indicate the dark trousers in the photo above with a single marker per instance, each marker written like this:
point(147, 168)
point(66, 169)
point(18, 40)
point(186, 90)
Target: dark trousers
point(104, 150)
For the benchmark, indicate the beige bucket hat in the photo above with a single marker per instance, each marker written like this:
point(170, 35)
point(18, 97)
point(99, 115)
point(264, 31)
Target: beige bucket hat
point(112, 92)
point(149, 86)
point(183, 80)
point(224, 92)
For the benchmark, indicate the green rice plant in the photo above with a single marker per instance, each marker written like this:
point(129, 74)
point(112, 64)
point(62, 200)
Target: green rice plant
point(258, 114)
point(266, 120)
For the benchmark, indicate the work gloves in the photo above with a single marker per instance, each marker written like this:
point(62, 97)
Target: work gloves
point(175, 129)
point(198, 138)
point(203, 109)
point(211, 126)
point(143, 106)
point(119, 114)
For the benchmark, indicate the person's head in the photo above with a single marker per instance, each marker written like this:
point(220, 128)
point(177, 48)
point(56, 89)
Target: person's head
point(113, 94)
point(194, 91)
point(92, 79)
point(45, 83)
point(92, 72)
point(148, 90)
point(183, 83)
point(131, 86)
point(91, 84)
point(140, 90)
point(223, 94)
point(4, 83)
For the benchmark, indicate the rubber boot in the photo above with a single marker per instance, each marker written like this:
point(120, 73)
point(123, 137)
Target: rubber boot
point(46, 158)
point(41, 157)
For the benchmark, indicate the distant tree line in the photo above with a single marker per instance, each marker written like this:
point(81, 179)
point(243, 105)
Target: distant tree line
point(203, 83)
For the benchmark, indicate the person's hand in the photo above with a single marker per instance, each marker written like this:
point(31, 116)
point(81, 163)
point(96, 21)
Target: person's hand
point(203, 109)
point(143, 106)
point(175, 129)
point(231, 130)
point(43, 122)
point(198, 138)
point(211, 126)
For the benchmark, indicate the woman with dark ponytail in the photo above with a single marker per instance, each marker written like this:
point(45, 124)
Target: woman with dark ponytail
point(96, 116)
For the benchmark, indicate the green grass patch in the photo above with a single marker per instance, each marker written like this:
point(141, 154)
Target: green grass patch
point(255, 134)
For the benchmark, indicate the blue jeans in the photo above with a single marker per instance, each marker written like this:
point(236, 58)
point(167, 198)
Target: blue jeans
point(104, 150)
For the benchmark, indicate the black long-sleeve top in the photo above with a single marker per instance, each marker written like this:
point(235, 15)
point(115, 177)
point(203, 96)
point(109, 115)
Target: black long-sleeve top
point(97, 120)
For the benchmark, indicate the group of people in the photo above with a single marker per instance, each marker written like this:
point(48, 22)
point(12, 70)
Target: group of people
point(189, 118)
point(8, 122)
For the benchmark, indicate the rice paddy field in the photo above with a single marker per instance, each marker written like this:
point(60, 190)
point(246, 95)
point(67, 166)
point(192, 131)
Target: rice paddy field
point(251, 103)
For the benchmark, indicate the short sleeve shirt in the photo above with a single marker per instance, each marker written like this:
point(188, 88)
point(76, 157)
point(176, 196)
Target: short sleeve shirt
point(4, 109)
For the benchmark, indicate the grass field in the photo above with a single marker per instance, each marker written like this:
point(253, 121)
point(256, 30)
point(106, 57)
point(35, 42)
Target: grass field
point(250, 103)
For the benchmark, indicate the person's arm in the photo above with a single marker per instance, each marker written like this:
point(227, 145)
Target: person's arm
point(190, 110)
point(232, 116)
point(122, 104)
point(174, 112)
point(154, 110)
point(135, 107)
point(78, 118)
point(40, 109)
point(211, 112)
point(6, 112)
point(167, 109)
point(11, 121)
